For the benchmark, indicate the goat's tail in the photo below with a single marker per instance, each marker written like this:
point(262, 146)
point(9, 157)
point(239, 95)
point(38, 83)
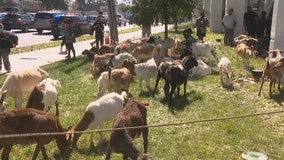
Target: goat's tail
point(42, 72)
point(124, 94)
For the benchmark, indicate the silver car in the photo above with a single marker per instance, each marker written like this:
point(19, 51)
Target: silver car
point(43, 20)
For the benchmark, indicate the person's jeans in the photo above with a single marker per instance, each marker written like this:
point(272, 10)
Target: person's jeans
point(4, 56)
point(229, 37)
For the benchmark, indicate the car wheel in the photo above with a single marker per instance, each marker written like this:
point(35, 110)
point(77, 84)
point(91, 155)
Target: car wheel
point(125, 24)
point(39, 31)
point(25, 28)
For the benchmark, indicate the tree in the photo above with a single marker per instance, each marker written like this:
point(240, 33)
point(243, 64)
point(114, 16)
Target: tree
point(146, 11)
point(54, 4)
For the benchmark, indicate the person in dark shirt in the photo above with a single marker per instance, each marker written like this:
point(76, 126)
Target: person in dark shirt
point(201, 25)
point(70, 37)
point(99, 30)
point(250, 22)
point(261, 25)
point(5, 45)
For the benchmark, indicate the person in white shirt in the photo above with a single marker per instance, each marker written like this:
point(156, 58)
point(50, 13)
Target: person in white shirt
point(229, 22)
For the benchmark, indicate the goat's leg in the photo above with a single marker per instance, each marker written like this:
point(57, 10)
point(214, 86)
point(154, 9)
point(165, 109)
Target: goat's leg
point(108, 151)
point(145, 139)
point(6, 151)
point(40, 147)
point(57, 108)
point(184, 88)
point(173, 88)
point(147, 81)
point(18, 102)
point(166, 89)
point(157, 82)
point(140, 85)
point(270, 87)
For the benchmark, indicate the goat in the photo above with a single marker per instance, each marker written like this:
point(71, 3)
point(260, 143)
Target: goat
point(19, 83)
point(174, 75)
point(167, 43)
point(89, 54)
point(119, 79)
point(143, 71)
point(275, 53)
point(206, 49)
point(106, 48)
point(225, 72)
point(98, 112)
point(133, 114)
point(100, 63)
point(202, 69)
point(245, 52)
point(117, 60)
point(44, 95)
point(30, 121)
point(273, 70)
point(144, 52)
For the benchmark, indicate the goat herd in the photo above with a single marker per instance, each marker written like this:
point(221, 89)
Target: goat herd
point(141, 58)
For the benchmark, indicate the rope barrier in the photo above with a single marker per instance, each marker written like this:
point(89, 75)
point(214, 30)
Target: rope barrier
point(140, 127)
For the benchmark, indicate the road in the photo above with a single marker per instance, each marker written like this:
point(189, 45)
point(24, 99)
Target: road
point(33, 38)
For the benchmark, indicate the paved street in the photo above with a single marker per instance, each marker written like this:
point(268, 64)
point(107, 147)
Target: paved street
point(23, 61)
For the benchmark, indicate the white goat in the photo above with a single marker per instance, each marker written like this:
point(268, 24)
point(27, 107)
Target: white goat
point(44, 95)
point(16, 84)
point(202, 69)
point(99, 111)
point(117, 60)
point(225, 72)
point(143, 71)
point(206, 49)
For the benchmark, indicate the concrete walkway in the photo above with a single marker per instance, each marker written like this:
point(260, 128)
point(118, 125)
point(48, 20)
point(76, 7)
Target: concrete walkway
point(27, 60)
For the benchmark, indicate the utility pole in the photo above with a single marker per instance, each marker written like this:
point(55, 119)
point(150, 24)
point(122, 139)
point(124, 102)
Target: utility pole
point(112, 21)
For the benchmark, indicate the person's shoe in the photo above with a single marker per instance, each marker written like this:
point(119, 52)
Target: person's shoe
point(67, 57)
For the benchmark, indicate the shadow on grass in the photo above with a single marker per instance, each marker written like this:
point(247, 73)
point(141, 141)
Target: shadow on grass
point(180, 102)
point(278, 97)
point(73, 67)
point(97, 150)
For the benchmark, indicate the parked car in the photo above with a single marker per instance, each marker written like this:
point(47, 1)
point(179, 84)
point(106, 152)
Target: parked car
point(2, 16)
point(20, 21)
point(91, 18)
point(43, 20)
point(120, 20)
point(81, 25)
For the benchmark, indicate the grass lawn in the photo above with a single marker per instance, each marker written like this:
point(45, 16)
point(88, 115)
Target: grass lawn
point(205, 99)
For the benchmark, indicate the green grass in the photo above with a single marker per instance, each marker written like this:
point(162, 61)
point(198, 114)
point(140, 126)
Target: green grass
point(206, 99)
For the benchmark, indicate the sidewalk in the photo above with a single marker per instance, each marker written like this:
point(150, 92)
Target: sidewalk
point(27, 60)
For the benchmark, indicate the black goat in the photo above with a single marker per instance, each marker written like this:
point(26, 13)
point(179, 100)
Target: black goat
point(174, 74)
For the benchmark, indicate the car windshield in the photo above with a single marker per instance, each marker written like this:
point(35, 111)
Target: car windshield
point(44, 16)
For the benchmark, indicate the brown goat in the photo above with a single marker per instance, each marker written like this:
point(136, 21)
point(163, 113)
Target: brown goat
point(273, 70)
point(28, 120)
point(99, 62)
point(117, 79)
point(245, 52)
point(133, 114)
point(106, 48)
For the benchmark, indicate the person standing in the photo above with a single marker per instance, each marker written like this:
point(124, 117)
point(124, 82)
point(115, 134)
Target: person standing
point(201, 26)
point(99, 30)
point(250, 22)
point(229, 22)
point(70, 37)
point(261, 25)
point(5, 45)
